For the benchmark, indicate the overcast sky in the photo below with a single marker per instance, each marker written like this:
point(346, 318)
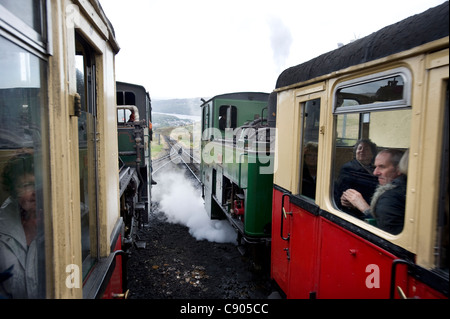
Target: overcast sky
point(201, 48)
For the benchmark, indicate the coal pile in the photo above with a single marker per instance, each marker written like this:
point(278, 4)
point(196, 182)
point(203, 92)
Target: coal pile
point(167, 262)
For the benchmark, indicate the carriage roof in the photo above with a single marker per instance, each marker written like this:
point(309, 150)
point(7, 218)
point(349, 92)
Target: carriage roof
point(416, 30)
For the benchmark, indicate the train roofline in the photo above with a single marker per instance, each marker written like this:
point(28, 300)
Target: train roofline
point(429, 26)
point(112, 34)
point(136, 86)
point(237, 94)
point(132, 85)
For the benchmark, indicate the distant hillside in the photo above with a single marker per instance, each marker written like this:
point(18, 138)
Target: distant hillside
point(178, 106)
point(165, 120)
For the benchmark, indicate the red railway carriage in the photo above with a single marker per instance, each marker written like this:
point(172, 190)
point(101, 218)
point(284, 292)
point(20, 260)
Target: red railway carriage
point(360, 199)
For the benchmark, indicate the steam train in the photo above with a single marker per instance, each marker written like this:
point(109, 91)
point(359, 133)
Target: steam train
point(134, 137)
point(390, 92)
point(237, 162)
point(74, 181)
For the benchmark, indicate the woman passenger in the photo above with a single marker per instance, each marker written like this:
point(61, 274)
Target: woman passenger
point(358, 174)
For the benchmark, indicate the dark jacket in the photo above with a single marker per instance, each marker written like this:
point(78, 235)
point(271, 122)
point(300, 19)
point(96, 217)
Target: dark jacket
point(308, 184)
point(353, 175)
point(388, 205)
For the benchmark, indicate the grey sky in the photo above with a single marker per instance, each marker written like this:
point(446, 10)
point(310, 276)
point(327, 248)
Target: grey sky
point(201, 48)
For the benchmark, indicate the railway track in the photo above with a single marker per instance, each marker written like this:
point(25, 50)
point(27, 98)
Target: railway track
point(170, 261)
point(177, 154)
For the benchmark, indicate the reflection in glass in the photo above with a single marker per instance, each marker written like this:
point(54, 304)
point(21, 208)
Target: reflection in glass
point(310, 139)
point(384, 90)
point(29, 11)
point(22, 249)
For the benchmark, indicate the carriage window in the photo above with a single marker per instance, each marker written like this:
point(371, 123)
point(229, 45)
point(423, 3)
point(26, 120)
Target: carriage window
point(126, 98)
point(371, 152)
point(23, 171)
point(384, 90)
point(310, 116)
point(28, 11)
point(125, 115)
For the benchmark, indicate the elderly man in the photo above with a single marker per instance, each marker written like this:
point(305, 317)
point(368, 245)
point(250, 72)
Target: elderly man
point(388, 202)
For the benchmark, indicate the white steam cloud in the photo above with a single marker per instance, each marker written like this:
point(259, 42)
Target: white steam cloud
point(280, 41)
point(182, 204)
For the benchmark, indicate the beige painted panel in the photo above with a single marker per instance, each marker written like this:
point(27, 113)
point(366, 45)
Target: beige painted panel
point(283, 142)
point(63, 222)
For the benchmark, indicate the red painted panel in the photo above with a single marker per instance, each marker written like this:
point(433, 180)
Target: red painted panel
point(115, 283)
point(279, 261)
point(294, 260)
point(417, 289)
point(323, 258)
point(303, 251)
point(351, 267)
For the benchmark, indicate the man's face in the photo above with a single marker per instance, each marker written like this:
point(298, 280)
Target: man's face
point(384, 169)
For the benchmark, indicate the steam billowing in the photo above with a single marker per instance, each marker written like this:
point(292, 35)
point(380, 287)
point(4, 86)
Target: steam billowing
point(182, 204)
point(280, 41)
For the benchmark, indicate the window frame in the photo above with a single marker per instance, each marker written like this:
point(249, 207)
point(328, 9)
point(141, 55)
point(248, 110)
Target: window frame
point(360, 110)
point(16, 30)
point(302, 135)
point(89, 106)
point(441, 217)
point(378, 106)
point(230, 119)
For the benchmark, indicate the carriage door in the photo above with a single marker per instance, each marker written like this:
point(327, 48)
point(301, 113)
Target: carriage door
point(87, 139)
point(302, 218)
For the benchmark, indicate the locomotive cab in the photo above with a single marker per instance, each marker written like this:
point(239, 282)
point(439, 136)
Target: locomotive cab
point(134, 136)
